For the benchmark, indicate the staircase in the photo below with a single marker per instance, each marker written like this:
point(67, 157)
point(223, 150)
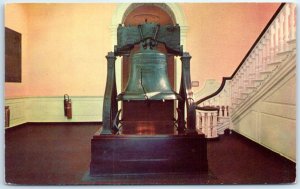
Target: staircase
point(271, 60)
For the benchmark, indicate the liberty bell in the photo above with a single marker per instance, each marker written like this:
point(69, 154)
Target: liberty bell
point(148, 79)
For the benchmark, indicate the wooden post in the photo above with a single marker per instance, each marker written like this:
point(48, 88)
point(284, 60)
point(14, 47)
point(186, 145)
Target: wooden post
point(110, 105)
point(186, 94)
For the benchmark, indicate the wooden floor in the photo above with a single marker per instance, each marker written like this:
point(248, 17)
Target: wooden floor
point(42, 154)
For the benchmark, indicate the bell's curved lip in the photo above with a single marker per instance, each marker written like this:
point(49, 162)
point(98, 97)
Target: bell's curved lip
point(159, 96)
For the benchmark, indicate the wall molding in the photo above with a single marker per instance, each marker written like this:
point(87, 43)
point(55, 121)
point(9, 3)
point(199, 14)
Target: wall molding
point(50, 109)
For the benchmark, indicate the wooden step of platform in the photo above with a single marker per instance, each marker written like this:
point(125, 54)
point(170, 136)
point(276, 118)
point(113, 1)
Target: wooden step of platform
point(148, 154)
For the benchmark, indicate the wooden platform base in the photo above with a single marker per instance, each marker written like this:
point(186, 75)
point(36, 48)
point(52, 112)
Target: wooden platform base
point(151, 179)
point(148, 154)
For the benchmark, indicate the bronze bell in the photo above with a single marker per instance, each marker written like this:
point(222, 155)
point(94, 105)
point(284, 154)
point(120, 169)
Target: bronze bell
point(148, 79)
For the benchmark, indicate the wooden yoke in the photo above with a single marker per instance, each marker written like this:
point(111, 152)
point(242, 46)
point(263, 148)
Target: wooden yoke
point(128, 36)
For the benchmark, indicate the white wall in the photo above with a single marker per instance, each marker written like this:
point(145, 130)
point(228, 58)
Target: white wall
point(269, 117)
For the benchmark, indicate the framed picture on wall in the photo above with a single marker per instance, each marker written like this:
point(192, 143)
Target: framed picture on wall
point(13, 56)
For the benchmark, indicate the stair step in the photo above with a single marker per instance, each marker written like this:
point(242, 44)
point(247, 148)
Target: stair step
point(251, 88)
point(265, 73)
point(257, 80)
point(245, 93)
point(274, 63)
point(235, 103)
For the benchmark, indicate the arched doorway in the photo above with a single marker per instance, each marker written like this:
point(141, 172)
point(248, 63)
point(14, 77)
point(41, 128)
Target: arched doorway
point(141, 110)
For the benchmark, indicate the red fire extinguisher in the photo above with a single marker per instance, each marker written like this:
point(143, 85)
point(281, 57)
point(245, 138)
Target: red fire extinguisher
point(68, 106)
point(7, 116)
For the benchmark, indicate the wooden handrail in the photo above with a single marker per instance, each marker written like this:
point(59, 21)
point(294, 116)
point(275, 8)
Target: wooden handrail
point(224, 79)
point(207, 108)
point(258, 39)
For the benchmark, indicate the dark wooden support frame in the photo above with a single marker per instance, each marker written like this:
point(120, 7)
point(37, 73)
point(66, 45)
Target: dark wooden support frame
point(170, 36)
point(182, 152)
point(110, 104)
point(187, 96)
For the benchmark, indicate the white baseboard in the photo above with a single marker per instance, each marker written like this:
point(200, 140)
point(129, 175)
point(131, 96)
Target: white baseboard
point(51, 109)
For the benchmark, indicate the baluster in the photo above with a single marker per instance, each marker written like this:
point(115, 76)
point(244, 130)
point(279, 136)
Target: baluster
point(202, 122)
point(248, 67)
point(286, 13)
point(252, 74)
point(235, 90)
point(240, 86)
point(227, 111)
point(263, 53)
point(276, 37)
point(256, 71)
point(268, 46)
point(237, 84)
point(210, 125)
point(258, 63)
point(259, 56)
point(214, 125)
point(243, 79)
point(252, 67)
point(247, 74)
point(247, 79)
point(232, 86)
point(205, 123)
point(240, 83)
point(292, 23)
point(218, 112)
point(198, 120)
point(272, 37)
point(223, 111)
point(224, 95)
point(281, 27)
